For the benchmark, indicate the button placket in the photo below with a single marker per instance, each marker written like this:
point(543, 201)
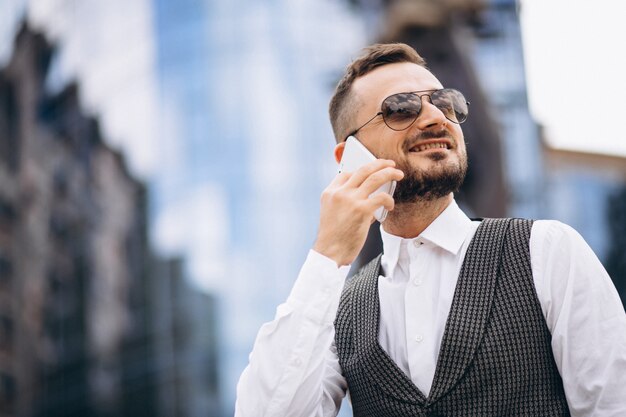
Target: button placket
point(416, 269)
point(415, 297)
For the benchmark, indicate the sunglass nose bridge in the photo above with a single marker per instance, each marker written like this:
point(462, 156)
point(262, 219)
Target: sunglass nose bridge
point(429, 98)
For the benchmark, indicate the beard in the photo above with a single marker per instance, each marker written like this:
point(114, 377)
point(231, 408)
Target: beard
point(428, 185)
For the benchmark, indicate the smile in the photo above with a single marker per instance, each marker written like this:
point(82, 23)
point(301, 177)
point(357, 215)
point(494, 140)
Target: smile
point(430, 145)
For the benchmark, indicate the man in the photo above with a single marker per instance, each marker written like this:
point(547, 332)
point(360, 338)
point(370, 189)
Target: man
point(457, 317)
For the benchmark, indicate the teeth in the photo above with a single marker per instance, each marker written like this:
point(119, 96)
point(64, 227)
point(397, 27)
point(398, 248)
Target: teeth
point(435, 145)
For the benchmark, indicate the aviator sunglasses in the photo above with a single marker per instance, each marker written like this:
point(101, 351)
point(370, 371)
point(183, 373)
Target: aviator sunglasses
point(400, 110)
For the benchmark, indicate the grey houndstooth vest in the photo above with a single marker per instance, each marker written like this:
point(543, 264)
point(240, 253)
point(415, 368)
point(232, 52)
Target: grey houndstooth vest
point(495, 357)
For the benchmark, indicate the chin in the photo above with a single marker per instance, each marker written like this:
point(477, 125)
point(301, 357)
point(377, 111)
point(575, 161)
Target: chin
point(432, 180)
point(425, 160)
point(437, 155)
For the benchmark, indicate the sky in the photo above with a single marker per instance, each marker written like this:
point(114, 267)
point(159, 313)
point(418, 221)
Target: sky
point(576, 65)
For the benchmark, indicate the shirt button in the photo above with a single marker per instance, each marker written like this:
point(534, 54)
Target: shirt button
point(419, 338)
point(417, 282)
point(417, 243)
point(297, 362)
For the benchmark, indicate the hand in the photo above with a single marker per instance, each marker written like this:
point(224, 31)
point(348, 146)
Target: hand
point(347, 211)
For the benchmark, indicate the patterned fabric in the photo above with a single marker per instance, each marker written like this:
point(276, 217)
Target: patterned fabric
point(495, 357)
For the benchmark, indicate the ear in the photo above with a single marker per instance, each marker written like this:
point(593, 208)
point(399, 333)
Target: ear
point(339, 151)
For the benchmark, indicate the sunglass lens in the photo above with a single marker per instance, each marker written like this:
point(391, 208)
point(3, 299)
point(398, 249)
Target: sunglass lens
point(452, 103)
point(401, 110)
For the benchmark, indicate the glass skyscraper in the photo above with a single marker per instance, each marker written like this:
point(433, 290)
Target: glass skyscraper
point(244, 87)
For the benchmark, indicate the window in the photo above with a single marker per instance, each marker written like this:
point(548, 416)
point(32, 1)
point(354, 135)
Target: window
point(7, 392)
point(9, 145)
point(6, 333)
point(6, 270)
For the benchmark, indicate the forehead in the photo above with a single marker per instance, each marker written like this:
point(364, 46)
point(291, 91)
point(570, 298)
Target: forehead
point(375, 86)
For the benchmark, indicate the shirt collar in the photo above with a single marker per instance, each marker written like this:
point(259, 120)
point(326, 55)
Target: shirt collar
point(448, 231)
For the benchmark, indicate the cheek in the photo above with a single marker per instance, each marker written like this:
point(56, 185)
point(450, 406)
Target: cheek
point(457, 133)
point(393, 152)
point(384, 143)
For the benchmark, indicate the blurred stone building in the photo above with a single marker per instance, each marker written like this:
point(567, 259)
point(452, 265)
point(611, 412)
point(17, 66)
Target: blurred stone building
point(455, 38)
point(83, 303)
point(446, 34)
point(185, 344)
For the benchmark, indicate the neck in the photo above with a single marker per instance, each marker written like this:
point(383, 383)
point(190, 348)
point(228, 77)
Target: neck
point(408, 220)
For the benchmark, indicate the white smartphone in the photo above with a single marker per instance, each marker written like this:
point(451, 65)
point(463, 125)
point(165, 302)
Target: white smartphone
point(356, 155)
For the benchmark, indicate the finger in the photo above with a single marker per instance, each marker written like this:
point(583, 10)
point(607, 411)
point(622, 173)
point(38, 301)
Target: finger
point(366, 170)
point(377, 179)
point(380, 199)
point(341, 179)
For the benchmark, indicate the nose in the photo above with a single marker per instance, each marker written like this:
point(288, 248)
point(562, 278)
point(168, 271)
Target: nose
point(430, 116)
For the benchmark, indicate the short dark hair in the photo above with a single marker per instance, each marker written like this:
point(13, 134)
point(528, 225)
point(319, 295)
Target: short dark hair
point(373, 56)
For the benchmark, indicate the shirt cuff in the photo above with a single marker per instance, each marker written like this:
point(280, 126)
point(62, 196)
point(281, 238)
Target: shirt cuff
point(318, 274)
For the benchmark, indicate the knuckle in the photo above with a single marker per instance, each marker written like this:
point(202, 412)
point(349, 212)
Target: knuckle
point(343, 176)
point(361, 206)
point(334, 196)
point(377, 176)
point(327, 194)
point(364, 170)
point(339, 197)
point(384, 199)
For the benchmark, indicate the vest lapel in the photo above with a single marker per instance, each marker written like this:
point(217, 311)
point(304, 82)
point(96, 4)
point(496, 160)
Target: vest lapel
point(471, 306)
point(380, 368)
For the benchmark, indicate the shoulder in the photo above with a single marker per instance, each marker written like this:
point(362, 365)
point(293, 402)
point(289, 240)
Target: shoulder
point(563, 263)
point(553, 227)
point(556, 247)
point(553, 235)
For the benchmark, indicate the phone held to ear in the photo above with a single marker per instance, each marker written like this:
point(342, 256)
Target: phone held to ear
point(356, 155)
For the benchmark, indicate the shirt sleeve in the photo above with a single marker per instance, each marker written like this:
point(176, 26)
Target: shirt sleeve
point(586, 318)
point(293, 369)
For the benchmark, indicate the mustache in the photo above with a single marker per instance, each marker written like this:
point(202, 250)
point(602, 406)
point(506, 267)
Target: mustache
point(426, 135)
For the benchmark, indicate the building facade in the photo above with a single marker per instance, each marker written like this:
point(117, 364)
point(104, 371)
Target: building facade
point(78, 315)
point(73, 216)
point(587, 191)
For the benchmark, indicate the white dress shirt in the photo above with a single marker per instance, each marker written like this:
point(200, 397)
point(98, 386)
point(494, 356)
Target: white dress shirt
point(294, 369)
